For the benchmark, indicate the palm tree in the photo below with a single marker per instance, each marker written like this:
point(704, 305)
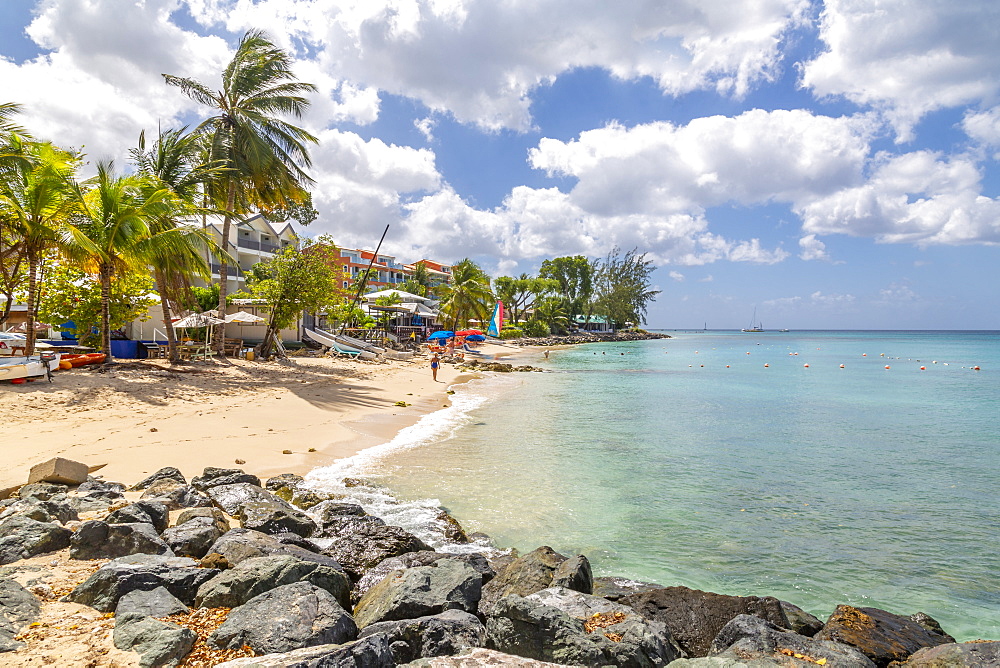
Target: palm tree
point(12, 138)
point(261, 152)
point(173, 163)
point(117, 231)
point(37, 205)
point(468, 295)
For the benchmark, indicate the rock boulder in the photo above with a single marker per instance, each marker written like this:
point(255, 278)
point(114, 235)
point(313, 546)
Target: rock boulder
point(100, 540)
point(22, 537)
point(253, 577)
point(285, 618)
point(880, 635)
point(695, 617)
point(105, 587)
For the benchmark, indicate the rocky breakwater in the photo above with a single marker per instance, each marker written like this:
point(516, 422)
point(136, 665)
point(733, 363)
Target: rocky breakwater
point(309, 580)
point(589, 337)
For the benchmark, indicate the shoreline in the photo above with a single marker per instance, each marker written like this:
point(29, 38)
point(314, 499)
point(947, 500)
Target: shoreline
point(133, 418)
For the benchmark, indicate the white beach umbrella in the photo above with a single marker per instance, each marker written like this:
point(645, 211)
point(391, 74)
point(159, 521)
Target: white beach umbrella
point(197, 320)
point(244, 318)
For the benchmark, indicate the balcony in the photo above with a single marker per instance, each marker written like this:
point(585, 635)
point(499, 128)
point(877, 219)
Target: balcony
point(263, 246)
point(234, 270)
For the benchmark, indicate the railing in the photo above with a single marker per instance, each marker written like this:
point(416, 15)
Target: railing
point(248, 243)
point(269, 248)
point(234, 270)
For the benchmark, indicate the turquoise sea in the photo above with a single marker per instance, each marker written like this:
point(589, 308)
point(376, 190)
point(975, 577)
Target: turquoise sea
point(688, 461)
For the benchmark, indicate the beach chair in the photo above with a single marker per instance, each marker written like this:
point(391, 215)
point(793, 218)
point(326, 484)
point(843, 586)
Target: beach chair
point(342, 351)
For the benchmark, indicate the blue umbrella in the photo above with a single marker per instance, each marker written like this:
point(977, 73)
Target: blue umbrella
point(442, 334)
point(475, 337)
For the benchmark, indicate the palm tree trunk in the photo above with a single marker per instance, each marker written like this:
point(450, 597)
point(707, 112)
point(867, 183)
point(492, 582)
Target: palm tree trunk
point(32, 302)
point(168, 327)
point(220, 332)
point(105, 275)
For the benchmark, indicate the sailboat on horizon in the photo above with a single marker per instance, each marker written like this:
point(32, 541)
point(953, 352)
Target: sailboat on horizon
point(755, 325)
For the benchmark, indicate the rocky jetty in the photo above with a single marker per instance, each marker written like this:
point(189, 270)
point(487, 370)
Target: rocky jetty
point(272, 574)
point(589, 337)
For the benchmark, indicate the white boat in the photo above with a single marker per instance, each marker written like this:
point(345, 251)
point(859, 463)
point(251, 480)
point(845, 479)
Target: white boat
point(330, 342)
point(755, 325)
point(26, 367)
point(346, 340)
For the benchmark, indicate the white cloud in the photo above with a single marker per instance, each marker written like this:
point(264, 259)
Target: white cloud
point(907, 57)
point(426, 127)
point(753, 158)
point(481, 60)
point(812, 248)
point(677, 276)
point(99, 83)
point(707, 279)
point(920, 198)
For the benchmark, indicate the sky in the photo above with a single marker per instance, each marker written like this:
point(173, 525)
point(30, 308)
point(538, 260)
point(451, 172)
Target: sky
point(827, 164)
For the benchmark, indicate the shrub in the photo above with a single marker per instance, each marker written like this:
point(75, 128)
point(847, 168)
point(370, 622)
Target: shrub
point(511, 333)
point(535, 328)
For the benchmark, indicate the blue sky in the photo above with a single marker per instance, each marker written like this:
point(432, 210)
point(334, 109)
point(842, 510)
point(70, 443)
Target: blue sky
point(831, 164)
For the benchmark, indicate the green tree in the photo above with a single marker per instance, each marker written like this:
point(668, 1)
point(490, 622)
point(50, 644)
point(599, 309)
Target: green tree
point(36, 206)
point(116, 232)
point(575, 276)
point(72, 294)
point(264, 155)
point(622, 289)
point(551, 311)
point(296, 280)
point(174, 163)
point(468, 296)
point(419, 282)
point(302, 212)
point(12, 140)
point(206, 298)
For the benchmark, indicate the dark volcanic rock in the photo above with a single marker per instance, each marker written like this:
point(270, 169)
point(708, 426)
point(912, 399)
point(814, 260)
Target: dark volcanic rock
point(534, 572)
point(305, 498)
point(22, 537)
point(435, 635)
point(18, 607)
point(92, 502)
point(613, 588)
point(412, 559)
point(363, 546)
point(158, 643)
point(527, 627)
point(327, 512)
point(178, 575)
point(153, 603)
point(253, 577)
point(231, 498)
point(194, 537)
point(370, 652)
point(748, 638)
point(880, 635)
point(288, 617)
point(175, 496)
point(213, 477)
point(98, 485)
point(100, 540)
point(239, 544)
point(283, 480)
point(801, 621)
point(335, 526)
point(217, 516)
point(272, 518)
point(166, 473)
point(150, 512)
point(695, 617)
point(956, 655)
point(575, 574)
point(421, 591)
point(55, 509)
point(41, 491)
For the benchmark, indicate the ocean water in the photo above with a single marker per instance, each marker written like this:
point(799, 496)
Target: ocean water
point(687, 461)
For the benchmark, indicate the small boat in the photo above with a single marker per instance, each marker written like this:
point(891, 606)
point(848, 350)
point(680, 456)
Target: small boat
point(14, 368)
point(84, 359)
point(755, 325)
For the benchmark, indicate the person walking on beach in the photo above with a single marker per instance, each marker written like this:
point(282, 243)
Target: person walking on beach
point(435, 363)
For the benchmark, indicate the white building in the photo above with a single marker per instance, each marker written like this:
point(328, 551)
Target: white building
point(250, 242)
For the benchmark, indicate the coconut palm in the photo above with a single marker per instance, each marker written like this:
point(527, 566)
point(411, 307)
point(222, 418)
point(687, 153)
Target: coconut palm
point(264, 155)
point(469, 294)
point(37, 205)
point(118, 231)
point(173, 162)
point(12, 140)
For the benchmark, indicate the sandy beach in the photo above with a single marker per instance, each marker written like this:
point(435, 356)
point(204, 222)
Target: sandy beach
point(135, 417)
